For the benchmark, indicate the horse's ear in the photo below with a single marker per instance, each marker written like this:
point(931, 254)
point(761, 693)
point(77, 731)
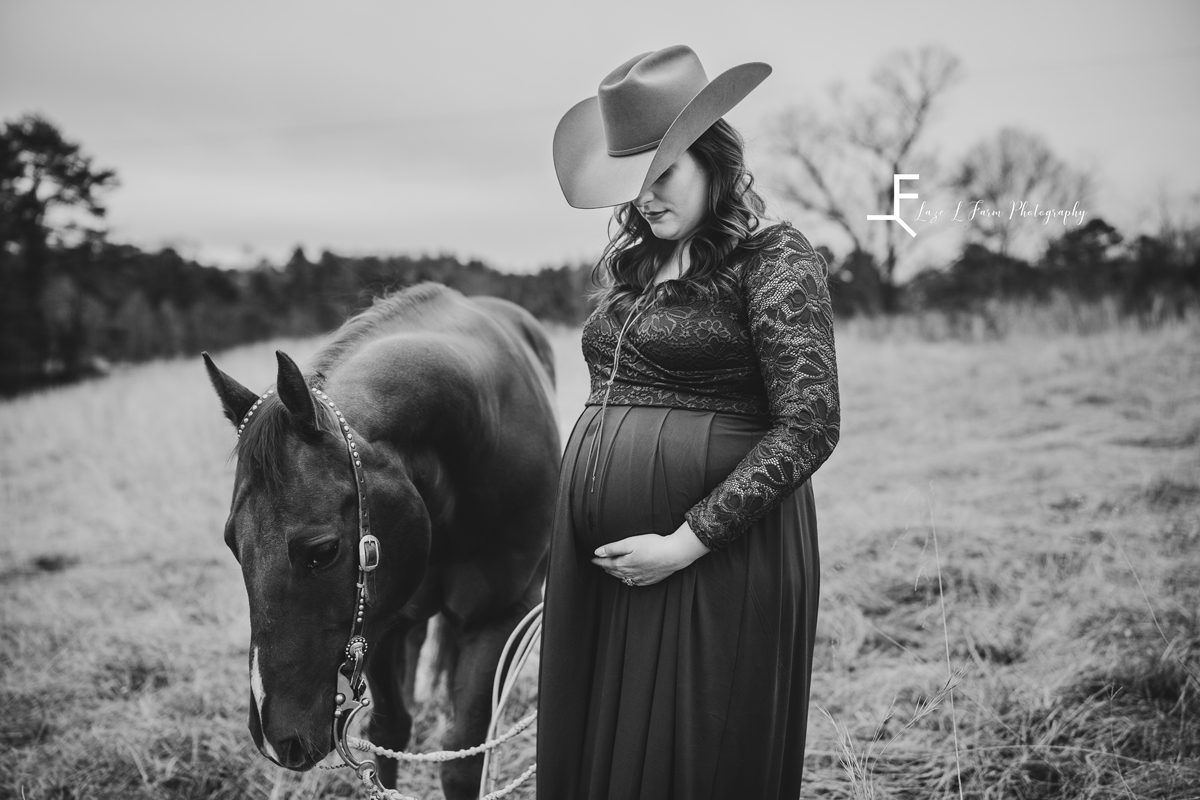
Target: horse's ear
point(294, 393)
point(235, 398)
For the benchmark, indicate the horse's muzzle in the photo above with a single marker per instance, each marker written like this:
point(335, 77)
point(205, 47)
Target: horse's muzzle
point(293, 752)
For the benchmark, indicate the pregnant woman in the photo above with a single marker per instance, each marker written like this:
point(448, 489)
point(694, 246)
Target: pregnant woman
point(681, 601)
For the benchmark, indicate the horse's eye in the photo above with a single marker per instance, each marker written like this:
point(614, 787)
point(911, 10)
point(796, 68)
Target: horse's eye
point(322, 555)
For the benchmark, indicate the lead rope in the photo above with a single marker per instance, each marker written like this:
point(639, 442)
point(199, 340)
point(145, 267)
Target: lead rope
point(612, 376)
point(525, 636)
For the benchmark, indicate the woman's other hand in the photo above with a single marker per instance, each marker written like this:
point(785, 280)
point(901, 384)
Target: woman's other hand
point(648, 558)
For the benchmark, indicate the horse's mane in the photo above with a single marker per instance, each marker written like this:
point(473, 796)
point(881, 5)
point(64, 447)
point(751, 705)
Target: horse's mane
point(262, 442)
point(366, 324)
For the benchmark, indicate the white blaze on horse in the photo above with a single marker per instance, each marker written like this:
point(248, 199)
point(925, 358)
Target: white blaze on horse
point(430, 414)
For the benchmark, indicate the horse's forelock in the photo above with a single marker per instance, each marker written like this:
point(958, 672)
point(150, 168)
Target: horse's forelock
point(262, 447)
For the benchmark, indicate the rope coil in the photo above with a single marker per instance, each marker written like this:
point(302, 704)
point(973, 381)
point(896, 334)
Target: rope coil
point(525, 636)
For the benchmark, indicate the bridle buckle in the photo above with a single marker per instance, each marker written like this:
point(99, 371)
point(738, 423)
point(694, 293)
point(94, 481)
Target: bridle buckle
point(368, 553)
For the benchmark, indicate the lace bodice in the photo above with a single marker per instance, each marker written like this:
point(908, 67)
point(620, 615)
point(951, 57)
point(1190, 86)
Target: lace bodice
point(768, 352)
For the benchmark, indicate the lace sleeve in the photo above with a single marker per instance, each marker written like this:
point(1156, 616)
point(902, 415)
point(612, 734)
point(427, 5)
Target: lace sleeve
point(791, 325)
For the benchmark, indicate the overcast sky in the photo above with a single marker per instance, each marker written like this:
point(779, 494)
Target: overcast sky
point(242, 129)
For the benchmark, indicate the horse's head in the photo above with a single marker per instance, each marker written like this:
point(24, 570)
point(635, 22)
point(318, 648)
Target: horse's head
point(293, 527)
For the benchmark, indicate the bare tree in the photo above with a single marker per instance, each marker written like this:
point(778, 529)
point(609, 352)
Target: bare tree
point(840, 165)
point(1014, 166)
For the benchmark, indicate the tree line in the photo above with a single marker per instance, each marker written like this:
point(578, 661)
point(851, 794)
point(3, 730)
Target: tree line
point(101, 302)
point(1151, 276)
point(72, 301)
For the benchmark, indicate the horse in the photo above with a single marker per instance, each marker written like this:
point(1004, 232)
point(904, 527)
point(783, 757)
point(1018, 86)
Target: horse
point(447, 404)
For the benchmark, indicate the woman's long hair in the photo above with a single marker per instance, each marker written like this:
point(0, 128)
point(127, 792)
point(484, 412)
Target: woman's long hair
point(634, 255)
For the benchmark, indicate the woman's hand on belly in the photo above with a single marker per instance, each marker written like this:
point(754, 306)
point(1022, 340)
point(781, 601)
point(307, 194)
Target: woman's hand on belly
point(649, 558)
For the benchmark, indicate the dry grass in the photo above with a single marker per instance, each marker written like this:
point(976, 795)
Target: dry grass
point(1001, 319)
point(1060, 472)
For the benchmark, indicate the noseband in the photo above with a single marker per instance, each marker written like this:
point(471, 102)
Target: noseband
point(352, 684)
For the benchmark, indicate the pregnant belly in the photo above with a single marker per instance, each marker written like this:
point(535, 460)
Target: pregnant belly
point(648, 466)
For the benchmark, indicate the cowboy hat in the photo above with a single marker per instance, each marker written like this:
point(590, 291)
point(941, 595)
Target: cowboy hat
point(648, 111)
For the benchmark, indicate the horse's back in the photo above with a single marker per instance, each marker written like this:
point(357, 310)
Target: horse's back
point(525, 324)
point(488, 312)
point(501, 339)
point(493, 331)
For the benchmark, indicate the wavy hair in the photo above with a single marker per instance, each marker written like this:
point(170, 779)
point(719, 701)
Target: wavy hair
point(634, 254)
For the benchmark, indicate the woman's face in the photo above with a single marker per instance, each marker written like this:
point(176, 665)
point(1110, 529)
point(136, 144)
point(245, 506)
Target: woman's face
point(676, 203)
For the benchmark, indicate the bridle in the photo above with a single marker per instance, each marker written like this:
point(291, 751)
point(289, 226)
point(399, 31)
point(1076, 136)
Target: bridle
point(351, 675)
point(351, 679)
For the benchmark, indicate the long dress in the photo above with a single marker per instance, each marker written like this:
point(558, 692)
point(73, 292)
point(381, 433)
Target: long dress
point(721, 410)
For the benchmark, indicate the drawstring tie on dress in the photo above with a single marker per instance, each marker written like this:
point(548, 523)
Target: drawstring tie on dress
point(634, 313)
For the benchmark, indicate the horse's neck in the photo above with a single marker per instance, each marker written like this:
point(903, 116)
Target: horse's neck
point(409, 389)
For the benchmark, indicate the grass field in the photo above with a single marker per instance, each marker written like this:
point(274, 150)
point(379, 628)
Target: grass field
point(1019, 517)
